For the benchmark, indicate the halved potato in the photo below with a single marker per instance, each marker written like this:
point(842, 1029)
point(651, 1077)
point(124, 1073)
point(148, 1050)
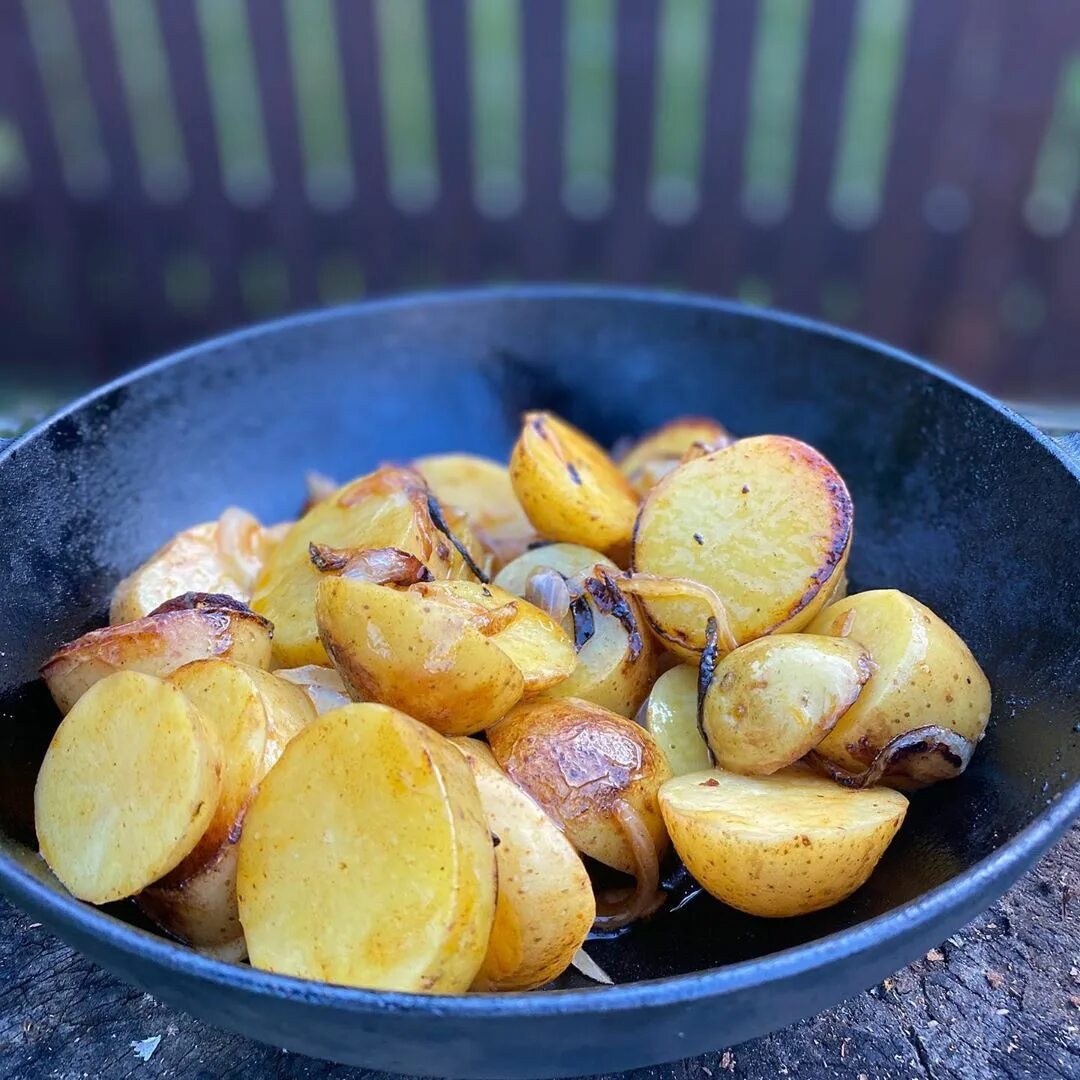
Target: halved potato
point(670, 715)
point(223, 556)
point(785, 844)
point(570, 560)
point(580, 762)
point(765, 523)
point(408, 649)
point(366, 858)
point(129, 783)
point(388, 508)
point(655, 454)
point(481, 489)
point(545, 906)
point(926, 677)
point(569, 488)
point(324, 687)
point(192, 627)
point(770, 702)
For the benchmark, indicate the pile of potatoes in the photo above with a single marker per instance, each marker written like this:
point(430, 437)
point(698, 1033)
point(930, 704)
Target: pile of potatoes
point(432, 734)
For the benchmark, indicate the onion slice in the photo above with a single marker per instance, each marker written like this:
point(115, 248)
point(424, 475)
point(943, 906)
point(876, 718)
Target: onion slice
point(915, 758)
point(649, 587)
point(619, 908)
point(381, 566)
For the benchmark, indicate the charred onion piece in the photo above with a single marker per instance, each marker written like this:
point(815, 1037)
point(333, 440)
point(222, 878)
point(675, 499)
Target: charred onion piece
point(620, 908)
point(584, 623)
point(610, 600)
point(919, 757)
point(439, 522)
point(200, 601)
point(649, 587)
point(710, 657)
point(381, 566)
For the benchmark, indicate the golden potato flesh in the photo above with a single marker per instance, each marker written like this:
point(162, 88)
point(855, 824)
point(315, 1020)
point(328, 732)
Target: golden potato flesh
point(570, 560)
point(785, 844)
point(324, 687)
point(580, 762)
point(407, 649)
point(670, 715)
point(535, 642)
point(223, 556)
point(385, 509)
point(545, 906)
point(765, 523)
point(254, 714)
point(656, 453)
point(770, 702)
point(569, 488)
point(366, 858)
point(926, 676)
point(159, 644)
point(481, 489)
point(128, 785)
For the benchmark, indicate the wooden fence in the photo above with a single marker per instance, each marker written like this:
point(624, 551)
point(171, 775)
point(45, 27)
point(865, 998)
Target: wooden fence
point(907, 167)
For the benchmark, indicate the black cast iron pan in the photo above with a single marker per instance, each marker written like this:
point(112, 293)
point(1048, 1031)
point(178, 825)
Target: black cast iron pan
point(957, 501)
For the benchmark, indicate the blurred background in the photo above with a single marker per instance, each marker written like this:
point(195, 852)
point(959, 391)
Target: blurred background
point(171, 169)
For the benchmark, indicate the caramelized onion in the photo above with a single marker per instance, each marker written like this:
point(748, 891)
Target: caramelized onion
point(649, 587)
point(912, 759)
point(381, 566)
point(618, 908)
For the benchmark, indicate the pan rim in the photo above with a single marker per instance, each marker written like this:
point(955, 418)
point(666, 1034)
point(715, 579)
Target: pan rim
point(1001, 866)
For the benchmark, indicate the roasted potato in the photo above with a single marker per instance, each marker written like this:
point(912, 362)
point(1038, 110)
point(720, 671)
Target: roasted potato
point(580, 762)
point(570, 489)
point(481, 490)
point(655, 454)
point(534, 641)
point(366, 858)
point(192, 627)
point(670, 715)
point(223, 556)
point(129, 784)
point(323, 685)
point(254, 714)
point(770, 702)
point(926, 676)
point(408, 649)
point(545, 905)
point(765, 523)
point(785, 844)
point(388, 508)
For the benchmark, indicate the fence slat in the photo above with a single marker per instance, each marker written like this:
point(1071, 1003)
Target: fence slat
point(456, 225)
point(290, 211)
point(713, 254)
point(541, 249)
point(809, 232)
point(632, 226)
point(208, 209)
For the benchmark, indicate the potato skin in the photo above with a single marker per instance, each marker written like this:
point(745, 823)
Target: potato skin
point(156, 645)
point(569, 488)
point(779, 845)
point(128, 785)
point(771, 701)
point(766, 523)
point(407, 650)
point(578, 760)
point(545, 906)
point(926, 675)
point(323, 888)
point(670, 716)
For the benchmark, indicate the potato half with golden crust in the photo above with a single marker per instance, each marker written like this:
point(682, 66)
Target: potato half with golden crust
point(765, 523)
point(255, 715)
point(388, 508)
point(926, 676)
point(223, 556)
point(779, 845)
point(128, 785)
point(482, 491)
point(408, 649)
point(366, 858)
point(545, 906)
point(650, 458)
point(569, 488)
point(670, 715)
point(191, 627)
point(578, 761)
point(770, 702)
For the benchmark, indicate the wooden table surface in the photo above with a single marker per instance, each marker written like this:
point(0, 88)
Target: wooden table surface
point(999, 999)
